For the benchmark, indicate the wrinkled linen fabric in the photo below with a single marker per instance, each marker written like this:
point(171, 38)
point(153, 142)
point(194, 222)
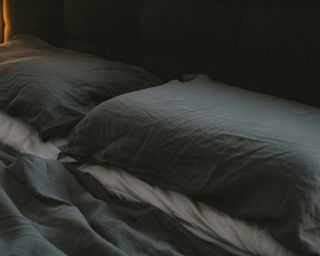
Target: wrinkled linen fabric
point(53, 88)
point(45, 210)
point(203, 221)
point(214, 226)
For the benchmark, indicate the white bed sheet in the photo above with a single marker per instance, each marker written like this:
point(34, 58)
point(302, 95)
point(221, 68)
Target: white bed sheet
point(24, 139)
point(202, 220)
point(205, 222)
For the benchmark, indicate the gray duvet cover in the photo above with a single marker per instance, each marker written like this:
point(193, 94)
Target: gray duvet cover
point(48, 209)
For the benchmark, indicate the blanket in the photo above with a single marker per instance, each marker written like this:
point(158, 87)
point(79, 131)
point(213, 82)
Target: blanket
point(48, 208)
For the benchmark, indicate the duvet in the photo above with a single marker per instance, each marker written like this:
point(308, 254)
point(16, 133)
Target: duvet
point(51, 209)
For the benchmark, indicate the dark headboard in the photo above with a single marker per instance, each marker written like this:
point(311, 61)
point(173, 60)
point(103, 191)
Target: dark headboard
point(267, 45)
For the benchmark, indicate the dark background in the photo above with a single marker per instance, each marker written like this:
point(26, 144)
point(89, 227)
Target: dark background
point(268, 46)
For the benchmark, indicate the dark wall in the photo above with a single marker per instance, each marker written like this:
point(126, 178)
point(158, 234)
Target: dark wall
point(109, 28)
point(193, 36)
point(43, 18)
point(270, 46)
point(278, 50)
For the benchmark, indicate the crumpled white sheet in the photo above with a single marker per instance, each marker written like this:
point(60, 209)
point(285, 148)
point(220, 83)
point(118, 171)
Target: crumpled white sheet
point(24, 139)
point(207, 223)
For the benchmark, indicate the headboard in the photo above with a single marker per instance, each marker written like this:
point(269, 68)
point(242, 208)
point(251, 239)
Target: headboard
point(270, 46)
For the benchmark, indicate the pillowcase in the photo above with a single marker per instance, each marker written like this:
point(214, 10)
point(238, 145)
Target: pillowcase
point(251, 155)
point(52, 88)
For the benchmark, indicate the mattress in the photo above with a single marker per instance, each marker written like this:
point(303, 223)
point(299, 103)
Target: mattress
point(205, 222)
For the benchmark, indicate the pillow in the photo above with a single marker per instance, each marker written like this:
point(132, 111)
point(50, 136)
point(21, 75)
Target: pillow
point(52, 88)
point(251, 155)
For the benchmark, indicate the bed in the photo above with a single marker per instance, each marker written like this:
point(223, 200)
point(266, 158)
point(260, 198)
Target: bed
point(110, 145)
point(21, 145)
point(117, 186)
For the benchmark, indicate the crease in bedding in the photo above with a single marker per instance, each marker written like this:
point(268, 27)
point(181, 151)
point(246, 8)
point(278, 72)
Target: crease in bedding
point(23, 138)
point(45, 210)
point(210, 224)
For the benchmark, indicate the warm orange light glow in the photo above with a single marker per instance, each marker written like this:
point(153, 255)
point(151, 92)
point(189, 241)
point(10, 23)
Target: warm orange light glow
point(5, 20)
point(1, 23)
